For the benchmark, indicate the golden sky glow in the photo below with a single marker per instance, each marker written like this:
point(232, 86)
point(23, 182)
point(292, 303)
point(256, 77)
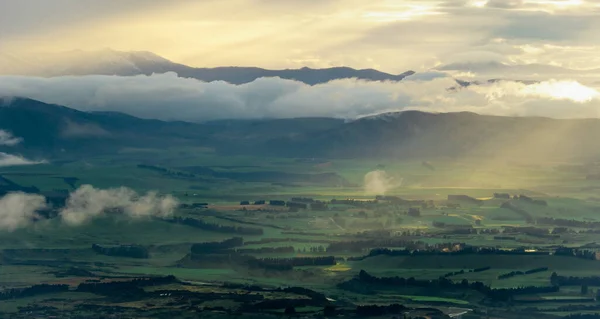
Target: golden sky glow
point(390, 35)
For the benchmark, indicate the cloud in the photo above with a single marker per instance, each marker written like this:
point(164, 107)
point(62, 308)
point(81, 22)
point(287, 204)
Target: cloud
point(16, 160)
point(18, 210)
point(168, 97)
point(389, 35)
point(87, 203)
point(379, 182)
point(7, 139)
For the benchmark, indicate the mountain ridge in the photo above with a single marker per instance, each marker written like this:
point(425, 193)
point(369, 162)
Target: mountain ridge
point(121, 63)
point(53, 129)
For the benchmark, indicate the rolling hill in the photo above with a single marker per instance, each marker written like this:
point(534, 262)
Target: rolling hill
point(49, 129)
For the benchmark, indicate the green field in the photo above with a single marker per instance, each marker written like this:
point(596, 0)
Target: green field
point(37, 253)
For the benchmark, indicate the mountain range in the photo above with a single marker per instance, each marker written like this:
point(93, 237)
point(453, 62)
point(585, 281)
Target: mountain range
point(111, 62)
point(50, 130)
point(499, 68)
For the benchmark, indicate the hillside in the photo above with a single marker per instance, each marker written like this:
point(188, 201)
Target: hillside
point(51, 128)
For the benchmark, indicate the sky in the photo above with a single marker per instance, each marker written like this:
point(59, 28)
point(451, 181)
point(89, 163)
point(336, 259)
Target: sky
point(390, 35)
point(554, 44)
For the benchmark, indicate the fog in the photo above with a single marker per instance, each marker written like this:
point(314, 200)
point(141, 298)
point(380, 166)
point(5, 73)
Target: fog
point(87, 203)
point(16, 160)
point(7, 139)
point(379, 182)
point(169, 97)
point(18, 210)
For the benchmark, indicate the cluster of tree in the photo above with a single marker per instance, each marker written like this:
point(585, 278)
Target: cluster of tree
point(131, 251)
point(531, 200)
point(462, 271)
point(557, 280)
point(574, 252)
point(414, 212)
point(583, 316)
point(131, 289)
point(198, 223)
point(531, 231)
point(399, 201)
point(318, 205)
point(301, 261)
point(359, 246)
point(194, 205)
point(166, 171)
point(297, 205)
point(215, 247)
point(502, 195)
point(465, 198)
point(352, 202)
point(504, 294)
point(521, 212)
point(74, 272)
point(379, 311)
point(32, 291)
point(277, 203)
point(505, 238)
point(441, 250)
point(521, 273)
point(458, 229)
point(284, 240)
point(567, 222)
point(266, 250)
point(305, 200)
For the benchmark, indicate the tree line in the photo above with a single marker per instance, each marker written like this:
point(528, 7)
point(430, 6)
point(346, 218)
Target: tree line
point(521, 273)
point(131, 251)
point(504, 294)
point(32, 291)
point(557, 280)
point(197, 223)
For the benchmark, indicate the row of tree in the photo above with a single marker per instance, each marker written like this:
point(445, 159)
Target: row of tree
point(505, 294)
point(217, 246)
point(557, 280)
point(198, 223)
point(32, 291)
point(301, 261)
point(131, 251)
point(521, 273)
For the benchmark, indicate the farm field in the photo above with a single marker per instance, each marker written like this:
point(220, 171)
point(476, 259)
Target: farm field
point(252, 236)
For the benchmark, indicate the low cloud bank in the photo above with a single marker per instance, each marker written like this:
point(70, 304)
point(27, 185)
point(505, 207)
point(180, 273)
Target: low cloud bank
point(16, 160)
point(18, 210)
point(7, 139)
point(169, 97)
point(87, 203)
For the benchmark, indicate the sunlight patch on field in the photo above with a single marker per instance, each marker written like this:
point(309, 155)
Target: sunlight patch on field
point(339, 268)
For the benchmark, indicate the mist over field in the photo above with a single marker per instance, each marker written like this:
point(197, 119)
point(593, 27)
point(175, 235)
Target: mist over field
point(87, 203)
point(18, 210)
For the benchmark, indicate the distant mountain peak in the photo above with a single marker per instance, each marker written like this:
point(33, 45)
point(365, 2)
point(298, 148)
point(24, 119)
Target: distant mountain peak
point(113, 62)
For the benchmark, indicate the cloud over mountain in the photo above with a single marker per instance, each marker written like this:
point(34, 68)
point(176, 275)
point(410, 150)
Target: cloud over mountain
point(169, 97)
